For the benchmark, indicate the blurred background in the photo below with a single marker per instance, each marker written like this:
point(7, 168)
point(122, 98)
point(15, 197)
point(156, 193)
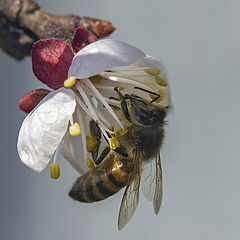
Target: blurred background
point(198, 42)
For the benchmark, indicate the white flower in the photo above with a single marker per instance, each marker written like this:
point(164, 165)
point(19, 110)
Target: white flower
point(97, 68)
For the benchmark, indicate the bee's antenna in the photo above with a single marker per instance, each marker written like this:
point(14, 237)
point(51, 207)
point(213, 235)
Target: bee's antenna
point(116, 89)
point(145, 90)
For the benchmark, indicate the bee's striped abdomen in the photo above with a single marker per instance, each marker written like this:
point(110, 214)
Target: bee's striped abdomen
point(103, 181)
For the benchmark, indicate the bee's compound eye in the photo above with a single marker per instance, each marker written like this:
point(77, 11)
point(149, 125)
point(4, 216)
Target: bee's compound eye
point(143, 116)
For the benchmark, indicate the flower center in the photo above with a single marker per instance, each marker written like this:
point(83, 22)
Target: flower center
point(89, 101)
point(96, 99)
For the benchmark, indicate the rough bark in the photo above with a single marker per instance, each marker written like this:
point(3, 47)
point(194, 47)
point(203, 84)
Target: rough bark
point(22, 22)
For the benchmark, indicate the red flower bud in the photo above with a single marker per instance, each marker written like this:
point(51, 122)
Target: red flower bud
point(82, 38)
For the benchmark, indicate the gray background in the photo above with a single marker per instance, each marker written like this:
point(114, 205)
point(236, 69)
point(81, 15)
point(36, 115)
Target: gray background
point(199, 44)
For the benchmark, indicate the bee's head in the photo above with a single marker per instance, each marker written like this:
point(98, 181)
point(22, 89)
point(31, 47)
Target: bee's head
point(144, 112)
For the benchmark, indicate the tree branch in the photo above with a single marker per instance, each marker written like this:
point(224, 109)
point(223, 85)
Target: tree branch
point(22, 22)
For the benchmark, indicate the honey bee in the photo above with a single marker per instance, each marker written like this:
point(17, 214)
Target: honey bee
point(139, 152)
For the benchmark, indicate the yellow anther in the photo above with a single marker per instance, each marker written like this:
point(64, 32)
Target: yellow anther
point(160, 81)
point(160, 92)
point(91, 143)
point(152, 71)
point(90, 163)
point(113, 143)
point(54, 170)
point(120, 132)
point(69, 82)
point(75, 130)
point(120, 88)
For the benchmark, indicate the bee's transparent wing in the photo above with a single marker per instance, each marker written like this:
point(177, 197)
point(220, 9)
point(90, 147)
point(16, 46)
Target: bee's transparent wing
point(131, 195)
point(152, 182)
point(148, 181)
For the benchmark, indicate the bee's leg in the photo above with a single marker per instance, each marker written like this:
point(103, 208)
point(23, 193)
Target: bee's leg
point(103, 155)
point(125, 109)
point(115, 107)
point(105, 152)
point(123, 103)
point(121, 96)
point(113, 98)
point(96, 133)
point(121, 152)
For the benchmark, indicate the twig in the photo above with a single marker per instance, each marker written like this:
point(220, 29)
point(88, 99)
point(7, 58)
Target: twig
point(22, 22)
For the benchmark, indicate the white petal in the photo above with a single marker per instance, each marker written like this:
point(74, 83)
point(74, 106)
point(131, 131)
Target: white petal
point(150, 61)
point(166, 101)
point(43, 129)
point(102, 55)
point(72, 151)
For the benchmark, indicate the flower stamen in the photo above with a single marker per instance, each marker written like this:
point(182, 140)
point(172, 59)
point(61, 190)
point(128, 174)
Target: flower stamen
point(69, 82)
point(90, 163)
point(54, 170)
point(87, 102)
point(152, 71)
point(83, 133)
point(120, 132)
point(101, 117)
point(160, 81)
point(145, 84)
point(93, 114)
point(113, 143)
point(74, 129)
point(104, 102)
point(54, 167)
